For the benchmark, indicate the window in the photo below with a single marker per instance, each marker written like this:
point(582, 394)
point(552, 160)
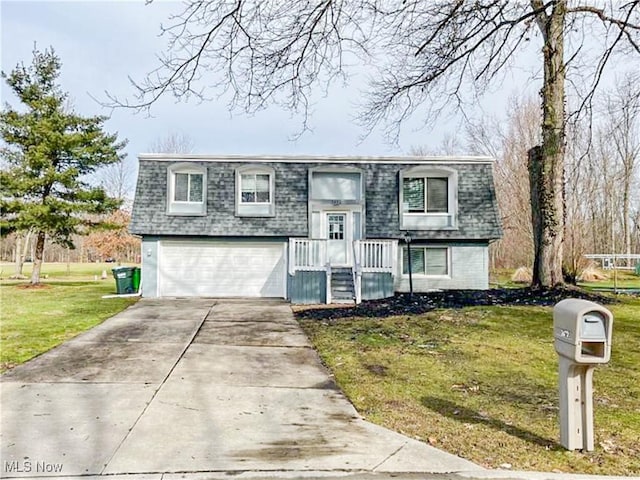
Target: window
point(187, 189)
point(336, 226)
point(429, 261)
point(255, 188)
point(255, 191)
point(342, 185)
point(428, 198)
point(426, 195)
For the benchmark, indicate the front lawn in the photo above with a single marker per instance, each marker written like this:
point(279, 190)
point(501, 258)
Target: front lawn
point(35, 320)
point(481, 382)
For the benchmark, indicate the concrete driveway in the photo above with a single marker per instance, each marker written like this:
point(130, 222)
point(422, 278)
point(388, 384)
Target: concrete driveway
point(196, 386)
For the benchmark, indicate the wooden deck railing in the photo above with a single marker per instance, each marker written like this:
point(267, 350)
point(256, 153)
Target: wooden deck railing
point(307, 254)
point(368, 255)
point(376, 255)
point(380, 256)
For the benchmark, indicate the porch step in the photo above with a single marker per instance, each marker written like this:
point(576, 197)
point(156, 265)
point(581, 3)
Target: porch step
point(342, 290)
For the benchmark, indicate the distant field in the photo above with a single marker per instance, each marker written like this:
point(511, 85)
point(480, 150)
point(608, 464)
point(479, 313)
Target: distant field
point(621, 279)
point(62, 271)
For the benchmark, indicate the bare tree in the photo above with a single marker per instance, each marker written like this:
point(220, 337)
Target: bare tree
point(598, 183)
point(115, 242)
point(427, 57)
point(583, 189)
point(173, 143)
point(508, 141)
point(635, 235)
point(623, 114)
point(449, 145)
point(601, 176)
point(117, 179)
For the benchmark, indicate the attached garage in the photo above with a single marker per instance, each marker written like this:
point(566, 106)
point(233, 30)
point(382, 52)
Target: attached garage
point(193, 268)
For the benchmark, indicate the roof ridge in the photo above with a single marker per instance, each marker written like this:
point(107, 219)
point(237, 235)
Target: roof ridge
point(316, 158)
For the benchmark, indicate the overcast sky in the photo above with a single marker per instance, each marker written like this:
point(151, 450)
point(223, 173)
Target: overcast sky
point(101, 44)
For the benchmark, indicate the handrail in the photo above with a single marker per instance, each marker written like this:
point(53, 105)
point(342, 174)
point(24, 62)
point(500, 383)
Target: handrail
point(310, 254)
point(376, 255)
point(307, 254)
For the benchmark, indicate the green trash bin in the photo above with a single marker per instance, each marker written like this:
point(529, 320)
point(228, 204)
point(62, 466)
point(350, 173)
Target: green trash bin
point(124, 279)
point(135, 279)
point(638, 269)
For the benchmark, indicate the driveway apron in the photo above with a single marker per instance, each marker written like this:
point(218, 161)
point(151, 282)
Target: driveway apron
point(193, 385)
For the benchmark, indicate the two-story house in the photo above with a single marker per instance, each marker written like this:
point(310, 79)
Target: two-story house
point(313, 229)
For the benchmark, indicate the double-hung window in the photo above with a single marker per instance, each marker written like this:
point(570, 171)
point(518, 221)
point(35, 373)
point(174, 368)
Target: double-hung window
point(426, 194)
point(187, 189)
point(428, 261)
point(255, 188)
point(428, 198)
point(255, 191)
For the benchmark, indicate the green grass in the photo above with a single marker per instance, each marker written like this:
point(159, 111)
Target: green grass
point(481, 383)
point(61, 272)
point(625, 279)
point(34, 320)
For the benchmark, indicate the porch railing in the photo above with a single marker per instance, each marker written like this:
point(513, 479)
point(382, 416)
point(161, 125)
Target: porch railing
point(307, 254)
point(368, 255)
point(376, 255)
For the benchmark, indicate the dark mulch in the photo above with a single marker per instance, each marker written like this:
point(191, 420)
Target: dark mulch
point(402, 304)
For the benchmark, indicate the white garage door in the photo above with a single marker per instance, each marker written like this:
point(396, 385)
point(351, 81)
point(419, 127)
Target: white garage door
point(208, 269)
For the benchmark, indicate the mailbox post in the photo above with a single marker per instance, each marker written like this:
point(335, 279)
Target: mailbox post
point(582, 333)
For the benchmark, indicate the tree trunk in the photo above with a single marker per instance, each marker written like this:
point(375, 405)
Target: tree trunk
point(626, 232)
point(636, 233)
point(546, 162)
point(22, 245)
point(19, 259)
point(37, 261)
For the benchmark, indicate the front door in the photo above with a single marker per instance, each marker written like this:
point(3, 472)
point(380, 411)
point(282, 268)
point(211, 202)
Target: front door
point(337, 238)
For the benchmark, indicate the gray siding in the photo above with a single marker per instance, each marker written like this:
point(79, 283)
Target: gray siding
point(477, 210)
point(308, 287)
point(149, 208)
point(149, 267)
point(376, 285)
point(469, 270)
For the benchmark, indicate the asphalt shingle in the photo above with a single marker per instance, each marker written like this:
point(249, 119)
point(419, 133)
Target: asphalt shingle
point(478, 217)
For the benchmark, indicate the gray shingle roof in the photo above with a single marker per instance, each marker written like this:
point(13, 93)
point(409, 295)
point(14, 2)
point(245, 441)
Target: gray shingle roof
point(478, 217)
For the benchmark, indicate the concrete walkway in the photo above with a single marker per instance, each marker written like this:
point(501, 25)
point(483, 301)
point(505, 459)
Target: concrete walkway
point(200, 389)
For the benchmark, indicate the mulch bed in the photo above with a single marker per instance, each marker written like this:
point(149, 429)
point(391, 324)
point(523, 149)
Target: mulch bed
point(403, 304)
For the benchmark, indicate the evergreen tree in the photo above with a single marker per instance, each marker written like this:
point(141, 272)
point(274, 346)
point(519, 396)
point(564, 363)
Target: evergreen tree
point(48, 154)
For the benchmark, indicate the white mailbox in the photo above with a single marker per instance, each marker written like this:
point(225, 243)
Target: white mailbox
point(582, 338)
point(582, 331)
